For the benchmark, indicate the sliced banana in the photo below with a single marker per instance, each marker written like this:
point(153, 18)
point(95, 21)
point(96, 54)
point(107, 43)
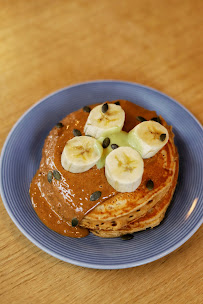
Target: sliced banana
point(104, 121)
point(148, 138)
point(80, 154)
point(124, 169)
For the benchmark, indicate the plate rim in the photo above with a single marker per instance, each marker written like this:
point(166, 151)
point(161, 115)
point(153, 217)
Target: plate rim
point(69, 260)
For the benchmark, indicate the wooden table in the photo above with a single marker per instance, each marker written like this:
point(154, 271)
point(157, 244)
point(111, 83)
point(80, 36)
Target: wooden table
point(46, 45)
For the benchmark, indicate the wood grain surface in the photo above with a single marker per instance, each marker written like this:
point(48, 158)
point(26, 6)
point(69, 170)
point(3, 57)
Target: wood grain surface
point(46, 45)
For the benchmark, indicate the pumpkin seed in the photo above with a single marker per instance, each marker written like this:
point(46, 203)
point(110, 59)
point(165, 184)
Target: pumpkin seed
point(105, 107)
point(150, 184)
point(140, 118)
point(162, 137)
point(74, 222)
point(86, 109)
point(49, 176)
point(57, 175)
point(114, 146)
point(106, 142)
point(127, 237)
point(157, 119)
point(95, 195)
point(76, 132)
point(59, 125)
point(117, 103)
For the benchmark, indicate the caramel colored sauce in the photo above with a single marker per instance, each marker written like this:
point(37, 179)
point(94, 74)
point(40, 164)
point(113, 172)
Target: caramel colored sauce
point(58, 202)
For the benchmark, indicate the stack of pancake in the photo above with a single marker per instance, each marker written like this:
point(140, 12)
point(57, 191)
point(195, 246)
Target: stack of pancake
point(126, 213)
point(62, 199)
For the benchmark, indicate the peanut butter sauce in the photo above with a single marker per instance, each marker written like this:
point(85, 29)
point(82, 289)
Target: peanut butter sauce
point(58, 202)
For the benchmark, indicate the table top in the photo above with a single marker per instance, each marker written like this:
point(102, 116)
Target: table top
point(47, 45)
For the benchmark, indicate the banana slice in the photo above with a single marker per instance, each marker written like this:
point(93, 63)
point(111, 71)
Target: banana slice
point(124, 169)
point(80, 154)
point(104, 120)
point(148, 138)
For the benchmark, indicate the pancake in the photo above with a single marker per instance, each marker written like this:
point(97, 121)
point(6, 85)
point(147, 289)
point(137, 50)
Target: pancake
point(152, 217)
point(117, 211)
point(63, 199)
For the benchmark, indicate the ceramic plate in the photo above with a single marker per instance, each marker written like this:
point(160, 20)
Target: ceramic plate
point(21, 156)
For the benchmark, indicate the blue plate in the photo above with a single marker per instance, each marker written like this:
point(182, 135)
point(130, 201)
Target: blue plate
point(21, 156)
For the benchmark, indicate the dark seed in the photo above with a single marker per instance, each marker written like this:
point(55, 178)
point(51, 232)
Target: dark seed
point(162, 137)
point(95, 196)
point(86, 109)
point(150, 184)
point(154, 118)
point(127, 237)
point(59, 125)
point(117, 103)
point(114, 146)
point(76, 132)
point(49, 176)
point(105, 107)
point(74, 222)
point(140, 118)
point(57, 175)
point(106, 142)
point(157, 119)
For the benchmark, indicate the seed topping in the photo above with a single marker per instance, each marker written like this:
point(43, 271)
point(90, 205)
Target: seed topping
point(114, 146)
point(95, 196)
point(106, 142)
point(140, 118)
point(105, 107)
point(157, 119)
point(49, 176)
point(56, 175)
point(162, 137)
point(76, 132)
point(74, 222)
point(59, 125)
point(86, 109)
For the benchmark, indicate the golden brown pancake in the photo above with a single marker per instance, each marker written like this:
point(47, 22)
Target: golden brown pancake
point(125, 207)
point(61, 200)
point(150, 219)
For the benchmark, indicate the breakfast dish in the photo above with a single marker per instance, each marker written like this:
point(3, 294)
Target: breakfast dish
point(21, 156)
point(110, 169)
